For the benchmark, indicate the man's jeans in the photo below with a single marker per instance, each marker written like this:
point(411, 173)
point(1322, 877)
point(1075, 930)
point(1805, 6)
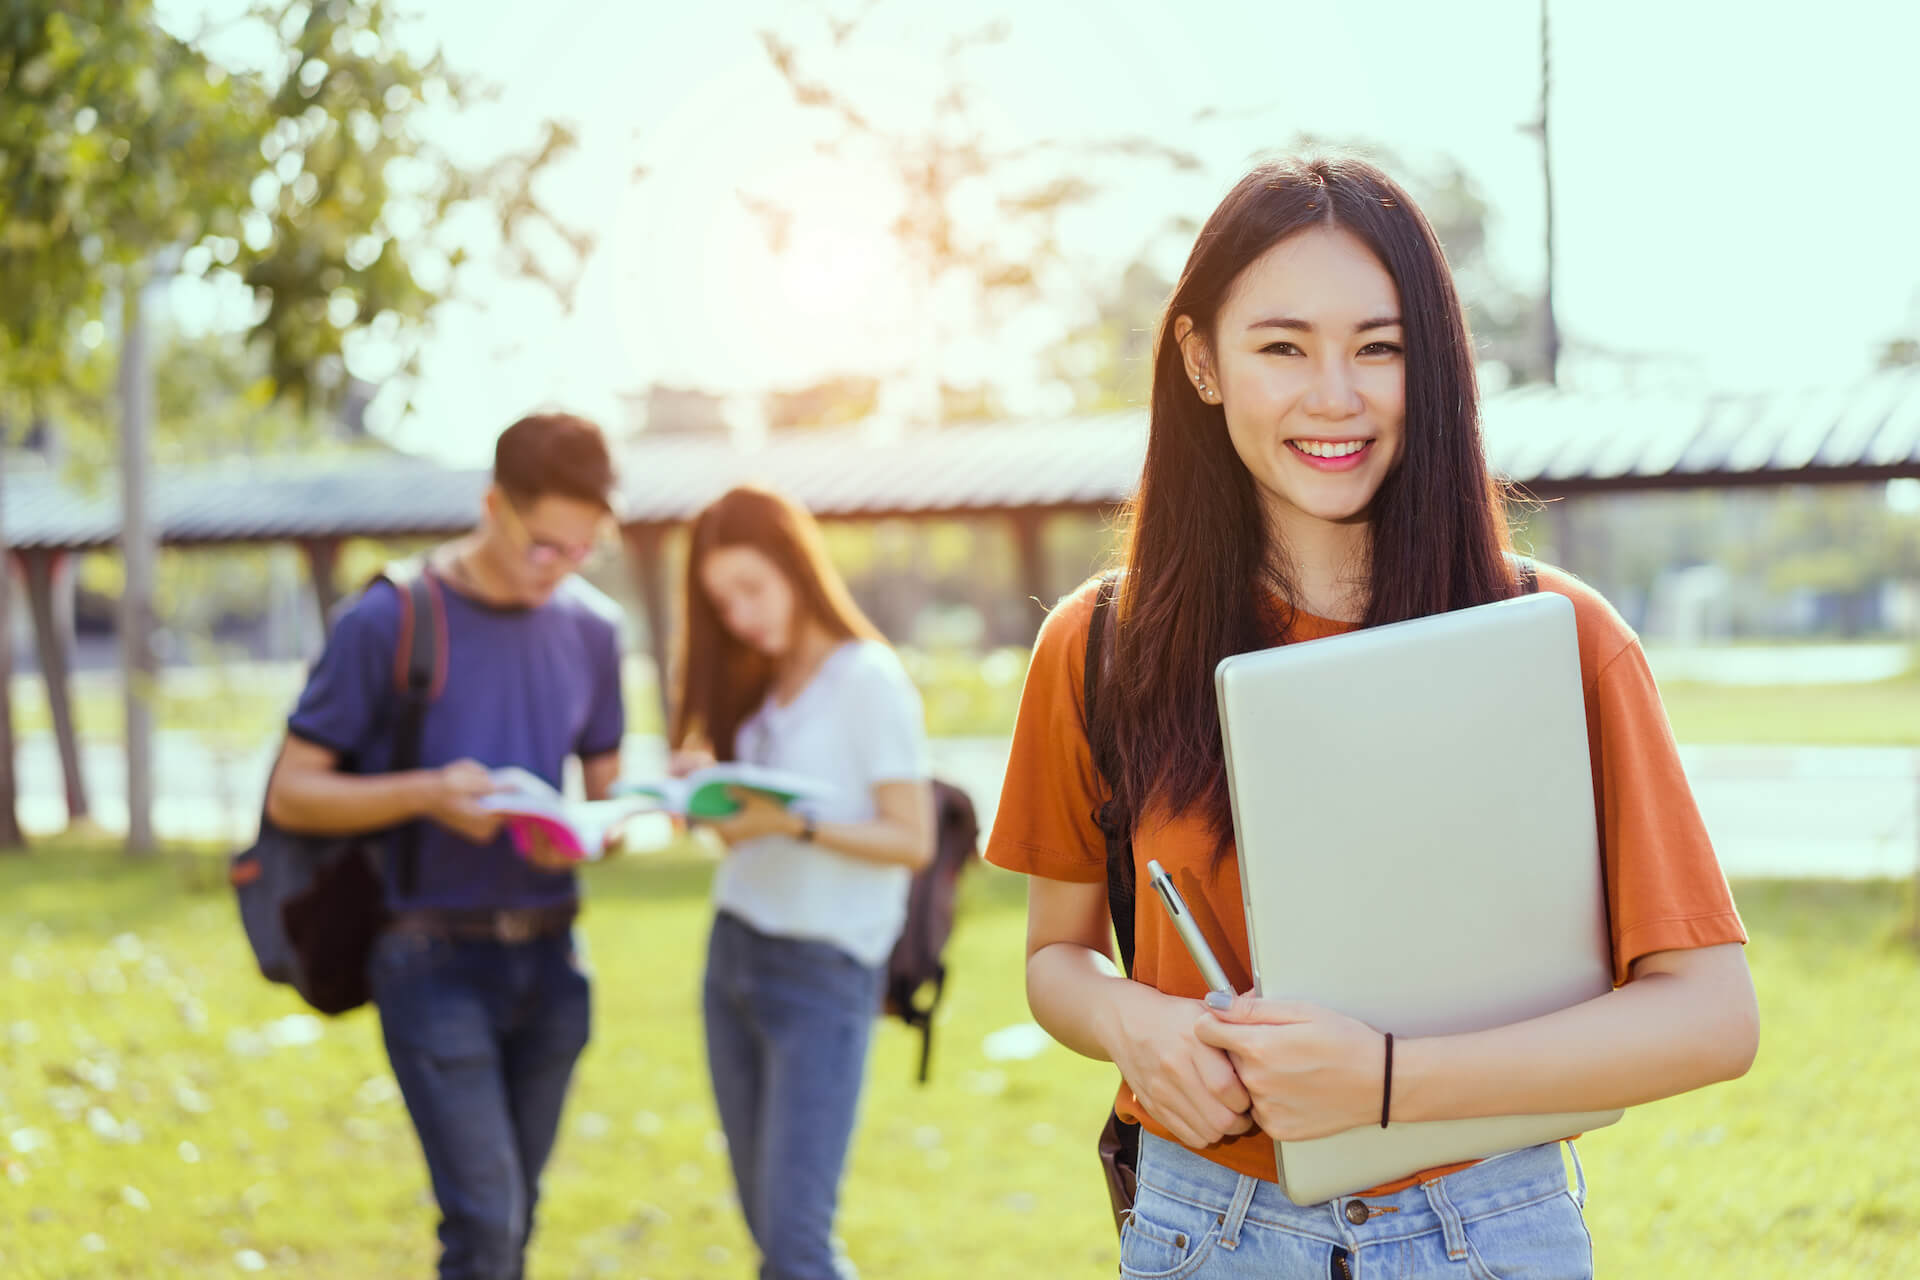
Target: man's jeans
point(483, 1037)
point(788, 1023)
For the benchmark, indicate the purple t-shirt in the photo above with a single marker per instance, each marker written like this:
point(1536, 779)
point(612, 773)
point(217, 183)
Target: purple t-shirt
point(526, 687)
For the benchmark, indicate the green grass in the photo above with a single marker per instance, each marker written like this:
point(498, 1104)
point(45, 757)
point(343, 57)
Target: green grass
point(1885, 713)
point(150, 1125)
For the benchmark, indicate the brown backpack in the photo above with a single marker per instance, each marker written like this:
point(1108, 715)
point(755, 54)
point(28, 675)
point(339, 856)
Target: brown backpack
point(916, 963)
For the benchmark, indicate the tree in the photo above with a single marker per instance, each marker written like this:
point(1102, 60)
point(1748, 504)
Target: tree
point(305, 176)
point(1108, 362)
point(308, 178)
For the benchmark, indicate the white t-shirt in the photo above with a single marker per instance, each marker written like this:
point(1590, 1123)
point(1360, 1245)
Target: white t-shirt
point(858, 722)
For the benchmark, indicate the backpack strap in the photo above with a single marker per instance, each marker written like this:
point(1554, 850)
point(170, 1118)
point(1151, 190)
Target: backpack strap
point(1115, 826)
point(1529, 576)
point(419, 672)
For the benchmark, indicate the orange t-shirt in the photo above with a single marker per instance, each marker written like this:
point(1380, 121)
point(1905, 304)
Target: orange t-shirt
point(1665, 890)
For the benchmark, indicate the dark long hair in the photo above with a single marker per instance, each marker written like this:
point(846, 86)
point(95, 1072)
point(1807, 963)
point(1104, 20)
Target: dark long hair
point(722, 679)
point(1202, 567)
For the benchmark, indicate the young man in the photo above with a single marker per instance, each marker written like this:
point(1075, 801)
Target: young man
point(483, 1002)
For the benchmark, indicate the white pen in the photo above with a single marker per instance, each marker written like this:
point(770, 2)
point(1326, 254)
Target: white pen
point(1189, 932)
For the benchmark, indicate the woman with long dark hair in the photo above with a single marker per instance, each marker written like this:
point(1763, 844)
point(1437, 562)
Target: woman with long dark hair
point(1314, 465)
point(779, 667)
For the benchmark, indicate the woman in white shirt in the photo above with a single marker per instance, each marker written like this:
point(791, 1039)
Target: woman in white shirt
point(779, 667)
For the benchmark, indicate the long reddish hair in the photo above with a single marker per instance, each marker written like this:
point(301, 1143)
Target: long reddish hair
point(1205, 577)
point(723, 680)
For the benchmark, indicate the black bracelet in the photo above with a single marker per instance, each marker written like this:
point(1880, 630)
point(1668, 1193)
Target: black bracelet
point(1386, 1084)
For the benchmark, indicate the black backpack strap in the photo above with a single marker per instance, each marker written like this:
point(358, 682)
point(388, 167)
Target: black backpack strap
point(1529, 576)
point(1119, 1139)
point(419, 670)
point(921, 1018)
point(1114, 825)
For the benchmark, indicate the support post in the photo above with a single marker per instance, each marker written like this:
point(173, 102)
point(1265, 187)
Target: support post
point(1028, 528)
point(50, 638)
point(12, 839)
point(646, 553)
point(323, 562)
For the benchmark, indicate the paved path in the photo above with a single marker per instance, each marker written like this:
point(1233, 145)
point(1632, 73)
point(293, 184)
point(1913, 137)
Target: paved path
point(1784, 811)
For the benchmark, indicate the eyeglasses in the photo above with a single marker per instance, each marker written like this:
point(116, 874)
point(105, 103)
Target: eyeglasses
point(544, 553)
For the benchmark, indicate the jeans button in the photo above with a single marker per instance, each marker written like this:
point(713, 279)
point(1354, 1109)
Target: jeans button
point(1357, 1212)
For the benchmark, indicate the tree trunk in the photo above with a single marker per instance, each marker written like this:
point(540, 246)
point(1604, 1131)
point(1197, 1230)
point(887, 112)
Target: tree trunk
point(137, 552)
point(11, 837)
point(50, 639)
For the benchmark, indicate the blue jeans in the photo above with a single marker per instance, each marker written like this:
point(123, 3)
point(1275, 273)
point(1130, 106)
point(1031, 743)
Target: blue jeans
point(1508, 1218)
point(483, 1037)
point(788, 1023)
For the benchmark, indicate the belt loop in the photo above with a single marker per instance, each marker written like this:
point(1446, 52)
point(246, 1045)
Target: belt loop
point(1236, 1215)
point(1579, 1176)
point(1452, 1229)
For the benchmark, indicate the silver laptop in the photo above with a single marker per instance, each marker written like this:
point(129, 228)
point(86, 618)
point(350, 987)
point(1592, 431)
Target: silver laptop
point(1414, 814)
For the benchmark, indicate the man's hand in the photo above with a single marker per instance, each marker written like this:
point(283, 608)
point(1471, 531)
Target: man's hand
point(543, 855)
point(454, 792)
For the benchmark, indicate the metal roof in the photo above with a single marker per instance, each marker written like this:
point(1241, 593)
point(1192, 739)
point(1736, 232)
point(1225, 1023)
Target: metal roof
point(248, 501)
point(1552, 442)
point(859, 470)
point(1561, 442)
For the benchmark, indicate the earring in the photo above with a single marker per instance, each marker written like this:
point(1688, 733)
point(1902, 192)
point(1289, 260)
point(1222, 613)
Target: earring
point(1204, 393)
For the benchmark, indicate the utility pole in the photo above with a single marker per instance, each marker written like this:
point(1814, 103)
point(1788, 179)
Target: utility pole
point(137, 557)
point(1551, 328)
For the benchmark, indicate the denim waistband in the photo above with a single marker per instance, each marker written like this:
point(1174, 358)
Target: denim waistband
point(1495, 1185)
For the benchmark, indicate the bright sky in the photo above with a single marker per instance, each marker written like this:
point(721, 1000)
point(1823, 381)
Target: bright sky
point(1736, 193)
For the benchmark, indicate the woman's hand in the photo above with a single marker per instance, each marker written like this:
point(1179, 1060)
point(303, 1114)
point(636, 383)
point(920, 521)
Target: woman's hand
point(1186, 1085)
point(687, 759)
point(1309, 1071)
point(756, 817)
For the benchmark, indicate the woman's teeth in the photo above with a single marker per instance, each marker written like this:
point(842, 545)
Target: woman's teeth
point(1322, 449)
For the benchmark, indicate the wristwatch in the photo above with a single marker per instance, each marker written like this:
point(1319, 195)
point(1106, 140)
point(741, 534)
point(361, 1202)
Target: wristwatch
point(808, 828)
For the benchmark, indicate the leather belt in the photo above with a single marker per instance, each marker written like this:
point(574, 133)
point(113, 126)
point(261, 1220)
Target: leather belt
point(486, 924)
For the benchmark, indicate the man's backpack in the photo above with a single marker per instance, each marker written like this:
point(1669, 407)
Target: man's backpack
point(916, 960)
point(313, 905)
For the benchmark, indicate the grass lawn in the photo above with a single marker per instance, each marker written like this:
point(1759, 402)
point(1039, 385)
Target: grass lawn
point(161, 1114)
point(1884, 713)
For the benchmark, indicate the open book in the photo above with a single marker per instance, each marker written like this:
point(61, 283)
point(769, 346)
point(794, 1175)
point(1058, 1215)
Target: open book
point(706, 793)
point(580, 829)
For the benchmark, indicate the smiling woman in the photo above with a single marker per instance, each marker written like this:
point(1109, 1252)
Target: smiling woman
point(1314, 466)
point(1307, 359)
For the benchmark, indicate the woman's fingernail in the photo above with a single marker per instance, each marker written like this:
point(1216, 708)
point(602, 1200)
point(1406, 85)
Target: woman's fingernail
point(1219, 1001)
